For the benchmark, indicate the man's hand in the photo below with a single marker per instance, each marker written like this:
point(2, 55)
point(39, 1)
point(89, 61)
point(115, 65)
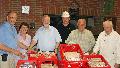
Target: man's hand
point(57, 47)
point(18, 53)
point(86, 53)
point(56, 50)
point(116, 65)
point(93, 53)
point(29, 48)
point(10, 50)
point(22, 56)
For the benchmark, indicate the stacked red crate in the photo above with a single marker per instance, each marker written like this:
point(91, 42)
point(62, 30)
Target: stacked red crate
point(42, 59)
point(88, 57)
point(26, 64)
point(63, 63)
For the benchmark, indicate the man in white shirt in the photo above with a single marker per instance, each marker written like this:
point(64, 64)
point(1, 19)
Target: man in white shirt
point(47, 37)
point(108, 43)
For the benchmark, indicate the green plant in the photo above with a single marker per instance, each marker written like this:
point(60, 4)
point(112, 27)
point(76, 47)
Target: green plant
point(108, 7)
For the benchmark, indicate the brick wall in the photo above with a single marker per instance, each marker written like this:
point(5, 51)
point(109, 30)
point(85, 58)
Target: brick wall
point(117, 14)
point(40, 7)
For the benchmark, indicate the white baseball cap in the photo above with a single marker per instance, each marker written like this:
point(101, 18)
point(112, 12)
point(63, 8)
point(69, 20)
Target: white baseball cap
point(65, 14)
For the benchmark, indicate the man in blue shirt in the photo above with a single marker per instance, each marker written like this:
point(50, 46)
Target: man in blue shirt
point(8, 41)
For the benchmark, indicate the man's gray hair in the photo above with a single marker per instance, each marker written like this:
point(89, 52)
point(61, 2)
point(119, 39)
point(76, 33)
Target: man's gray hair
point(108, 22)
point(82, 20)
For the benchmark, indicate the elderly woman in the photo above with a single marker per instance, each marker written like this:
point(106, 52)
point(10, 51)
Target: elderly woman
point(24, 37)
point(108, 44)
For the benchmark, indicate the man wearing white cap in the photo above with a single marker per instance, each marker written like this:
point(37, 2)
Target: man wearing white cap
point(65, 27)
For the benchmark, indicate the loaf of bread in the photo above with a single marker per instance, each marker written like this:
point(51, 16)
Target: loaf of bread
point(96, 62)
point(72, 56)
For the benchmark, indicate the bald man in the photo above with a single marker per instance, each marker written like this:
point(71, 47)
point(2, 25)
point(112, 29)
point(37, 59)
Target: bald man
point(82, 36)
point(108, 43)
point(9, 42)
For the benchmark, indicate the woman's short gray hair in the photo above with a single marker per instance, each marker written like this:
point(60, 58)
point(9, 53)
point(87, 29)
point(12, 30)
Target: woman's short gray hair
point(108, 22)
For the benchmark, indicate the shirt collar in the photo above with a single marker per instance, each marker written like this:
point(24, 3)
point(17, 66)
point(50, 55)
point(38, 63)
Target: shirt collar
point(108, 34)
point(82, 31)
point(7, 24)
point(46, 29)
point(66, 26)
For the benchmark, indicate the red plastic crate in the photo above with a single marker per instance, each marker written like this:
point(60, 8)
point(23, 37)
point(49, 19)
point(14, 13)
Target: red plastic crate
point(42, 59)
point(69, 48)
point(73, 64)
point(24, 61)
point(63, 63)
point(97, 56)
point(32, 58)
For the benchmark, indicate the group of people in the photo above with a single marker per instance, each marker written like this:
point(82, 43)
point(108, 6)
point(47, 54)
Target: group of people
point(48, 38)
